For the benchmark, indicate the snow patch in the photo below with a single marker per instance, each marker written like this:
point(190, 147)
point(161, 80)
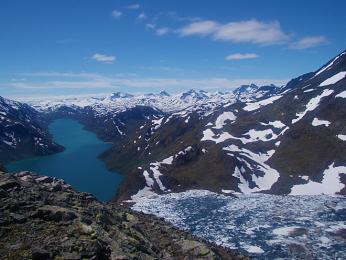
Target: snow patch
point(332, 80)
point(313, 104)
point(318, 122)
point(330, 184)
point(259, 104)
point(225, 116)
point(341, 94)
point(342, 137)
point(270, 176)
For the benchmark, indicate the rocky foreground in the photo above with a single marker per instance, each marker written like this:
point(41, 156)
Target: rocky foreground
point(44, 218)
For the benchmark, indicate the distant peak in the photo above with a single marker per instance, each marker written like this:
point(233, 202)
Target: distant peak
point(120, 95)
point(193, 94)
point(164, 93)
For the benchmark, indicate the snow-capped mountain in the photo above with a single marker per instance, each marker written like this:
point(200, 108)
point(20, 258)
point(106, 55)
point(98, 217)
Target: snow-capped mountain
point(282, 140)
point(291, 141)
point(23, 132)
point(163, 101)
point(194, 95)
point(253, 92)
point(109, 116)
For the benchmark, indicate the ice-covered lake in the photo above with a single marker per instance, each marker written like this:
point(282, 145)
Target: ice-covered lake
point(259, 225)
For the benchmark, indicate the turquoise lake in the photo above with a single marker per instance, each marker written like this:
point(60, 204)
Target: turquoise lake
point(78, 165)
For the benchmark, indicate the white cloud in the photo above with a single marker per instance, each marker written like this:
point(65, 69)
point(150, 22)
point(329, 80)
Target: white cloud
point(241, 56)
point(162, 31)
point(141, 16)
point(309, 42)
point(104, 58)
point(150, 26)
point(116, 14)
point(199, 28)
point(250, 31)
point(133, 6)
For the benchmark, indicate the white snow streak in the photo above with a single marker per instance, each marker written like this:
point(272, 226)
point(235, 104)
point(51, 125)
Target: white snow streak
point(332, 80)
point(341, 94)
point(259, 104)
point(313, 103)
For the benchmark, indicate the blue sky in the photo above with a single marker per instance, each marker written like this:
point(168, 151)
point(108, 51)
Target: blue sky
point(86, 46)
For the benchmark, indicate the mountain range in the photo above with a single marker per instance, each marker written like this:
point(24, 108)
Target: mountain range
point(281, 140)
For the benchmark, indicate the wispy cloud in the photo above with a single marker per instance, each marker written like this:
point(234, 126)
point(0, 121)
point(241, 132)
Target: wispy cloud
point(309, 42)
point(104, 58)
point(54, 74)
point(150, 26)
point(161, 68)
point(116, 14)
point(141, 16)
point(97, 81)
point(133, 6)
point(162, 31)
point(202, 28)
point(241, 56)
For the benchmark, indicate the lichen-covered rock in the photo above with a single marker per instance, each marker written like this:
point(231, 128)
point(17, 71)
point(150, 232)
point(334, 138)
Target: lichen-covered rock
point(38, 221)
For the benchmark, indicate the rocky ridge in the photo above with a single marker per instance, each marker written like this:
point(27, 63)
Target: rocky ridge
point(44, 218)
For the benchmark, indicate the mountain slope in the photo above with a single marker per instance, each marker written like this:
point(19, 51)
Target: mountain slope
point(23, 132)
point(289, 142)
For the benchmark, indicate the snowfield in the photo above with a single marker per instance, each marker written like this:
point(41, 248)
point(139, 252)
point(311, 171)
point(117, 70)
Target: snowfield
point(264, 182)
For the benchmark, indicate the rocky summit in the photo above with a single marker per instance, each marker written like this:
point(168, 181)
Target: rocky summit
point(44, 218)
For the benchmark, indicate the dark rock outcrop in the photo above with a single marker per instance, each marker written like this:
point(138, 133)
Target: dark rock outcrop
point(38, 221)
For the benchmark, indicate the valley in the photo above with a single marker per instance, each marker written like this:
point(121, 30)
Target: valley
point(261, 145)
point(78, 164)
point(245, 141)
